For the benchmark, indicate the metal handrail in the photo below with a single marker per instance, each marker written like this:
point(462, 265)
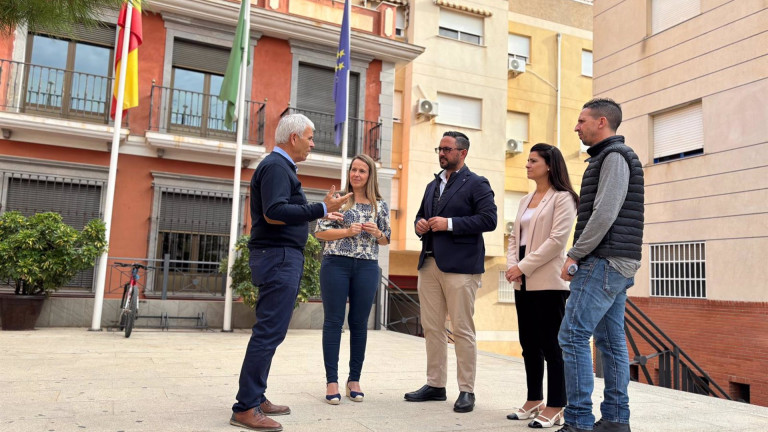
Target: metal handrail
point(677, 370)
point(55, 92)
point(190, 113)
point(364, 136)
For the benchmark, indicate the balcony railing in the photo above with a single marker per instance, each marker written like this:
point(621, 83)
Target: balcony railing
point(61, 93)
point(202, 115)
point(363, 136)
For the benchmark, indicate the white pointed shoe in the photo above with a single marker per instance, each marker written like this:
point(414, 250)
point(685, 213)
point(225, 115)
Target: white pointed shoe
point(544, 422)
point(522, 414)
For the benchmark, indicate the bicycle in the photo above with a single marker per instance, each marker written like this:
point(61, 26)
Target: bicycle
point(129, 305)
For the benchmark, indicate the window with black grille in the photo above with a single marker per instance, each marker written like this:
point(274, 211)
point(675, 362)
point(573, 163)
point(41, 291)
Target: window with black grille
point(678, 270)
point(193, 228)
point(77, 200)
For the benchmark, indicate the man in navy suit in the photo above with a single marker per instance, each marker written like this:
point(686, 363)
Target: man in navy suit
point(456, 210)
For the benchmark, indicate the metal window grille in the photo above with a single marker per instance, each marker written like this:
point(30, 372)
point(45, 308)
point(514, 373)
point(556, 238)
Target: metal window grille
point(506, 289)
point(678, 270)
point(77, 200)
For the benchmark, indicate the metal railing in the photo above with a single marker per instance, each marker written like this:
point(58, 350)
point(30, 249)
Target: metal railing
point(167, 278)
point(202, 115)
point(400, 311)
point(48, 91)
point(363, 136)
point(677, 370)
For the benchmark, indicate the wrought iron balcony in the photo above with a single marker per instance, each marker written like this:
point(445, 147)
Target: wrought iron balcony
point(61, 93)
point(363, 136)
point(202, 115)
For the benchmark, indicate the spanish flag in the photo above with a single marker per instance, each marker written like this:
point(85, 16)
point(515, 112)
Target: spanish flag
point(131, 96)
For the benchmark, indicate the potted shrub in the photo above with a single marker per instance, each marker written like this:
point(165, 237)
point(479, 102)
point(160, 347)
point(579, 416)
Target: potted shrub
point(241, 273)
point(38, 255)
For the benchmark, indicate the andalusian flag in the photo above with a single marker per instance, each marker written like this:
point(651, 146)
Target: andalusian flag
point(131, 96)
point(229, 86)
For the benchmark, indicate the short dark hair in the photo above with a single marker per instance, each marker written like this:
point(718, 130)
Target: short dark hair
point(607, 108)
point(462, 142)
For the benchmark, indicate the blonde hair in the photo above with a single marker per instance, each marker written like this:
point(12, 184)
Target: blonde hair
point(371, 186)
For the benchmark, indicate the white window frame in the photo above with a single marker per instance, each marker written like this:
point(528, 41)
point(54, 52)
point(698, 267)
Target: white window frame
point(678, 270)
point(506, 292)
point(462, 24)
point(586, 63)
point(518, 125)
point(678, 133)
point(665, 14)
point(519, 47)
point(397, 106)
point(400, 21)
point(460, 111)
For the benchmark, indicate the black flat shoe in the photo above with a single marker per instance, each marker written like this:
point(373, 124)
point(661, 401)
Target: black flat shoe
point(426, 393)
point(465, 402)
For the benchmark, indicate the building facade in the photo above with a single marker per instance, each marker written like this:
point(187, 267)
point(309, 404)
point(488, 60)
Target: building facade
point(173, 192)
point(691, 78)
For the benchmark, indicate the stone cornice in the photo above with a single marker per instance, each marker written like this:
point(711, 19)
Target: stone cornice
point(284, 26)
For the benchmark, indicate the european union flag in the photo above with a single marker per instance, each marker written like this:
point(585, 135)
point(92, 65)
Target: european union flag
point(340, 90)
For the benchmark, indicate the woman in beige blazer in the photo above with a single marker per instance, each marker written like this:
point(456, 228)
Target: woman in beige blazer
point(534, 259)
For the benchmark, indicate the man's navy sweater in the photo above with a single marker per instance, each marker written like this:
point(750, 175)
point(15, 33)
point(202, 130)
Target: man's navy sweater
point(276, 192)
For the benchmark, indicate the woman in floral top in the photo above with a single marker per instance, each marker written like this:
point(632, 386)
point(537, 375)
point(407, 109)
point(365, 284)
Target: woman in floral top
point(350, 270)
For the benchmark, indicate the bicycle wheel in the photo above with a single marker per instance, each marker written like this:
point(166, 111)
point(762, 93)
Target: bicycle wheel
point(132, 314)
point(122, 308)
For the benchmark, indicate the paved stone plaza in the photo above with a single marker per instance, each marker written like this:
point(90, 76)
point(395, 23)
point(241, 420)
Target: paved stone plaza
point(70, 379)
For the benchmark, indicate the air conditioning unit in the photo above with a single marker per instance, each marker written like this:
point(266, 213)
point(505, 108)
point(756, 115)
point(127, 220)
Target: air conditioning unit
point(427, 108)
point(509, 227)
point(514, 146)
point(516, 65)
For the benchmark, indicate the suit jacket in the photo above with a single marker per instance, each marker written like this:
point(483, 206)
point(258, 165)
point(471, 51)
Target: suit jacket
point(469, 202)
point(546, 241)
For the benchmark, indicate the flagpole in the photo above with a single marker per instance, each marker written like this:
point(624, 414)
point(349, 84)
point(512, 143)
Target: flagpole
point(98, 301)
point(234, 226)
point(345, 130)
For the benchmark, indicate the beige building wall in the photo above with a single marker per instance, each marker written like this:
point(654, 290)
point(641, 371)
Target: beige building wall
point(717, 58)
point(457, 68)
point(535, 93)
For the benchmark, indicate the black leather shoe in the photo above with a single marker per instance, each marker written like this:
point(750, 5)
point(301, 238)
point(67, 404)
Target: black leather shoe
point(465, 402)
point(426, 393)
point(604, 425)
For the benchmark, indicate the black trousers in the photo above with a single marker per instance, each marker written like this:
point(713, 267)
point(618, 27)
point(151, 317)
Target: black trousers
point(539, 314)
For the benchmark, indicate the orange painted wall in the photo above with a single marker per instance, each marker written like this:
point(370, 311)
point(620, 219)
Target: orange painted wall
point(272, 81)
point(372, 91)
point(6, 46)
point(151, 57)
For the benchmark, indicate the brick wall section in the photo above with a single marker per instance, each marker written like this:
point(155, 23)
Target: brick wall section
point(727, 339)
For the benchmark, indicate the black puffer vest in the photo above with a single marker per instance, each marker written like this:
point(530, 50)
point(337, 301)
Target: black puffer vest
point(625, 237)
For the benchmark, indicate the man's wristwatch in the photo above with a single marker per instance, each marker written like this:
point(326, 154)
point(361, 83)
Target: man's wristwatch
point(572, 269)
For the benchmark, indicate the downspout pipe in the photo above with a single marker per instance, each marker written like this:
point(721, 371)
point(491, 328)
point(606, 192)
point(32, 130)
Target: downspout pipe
point(559, 83)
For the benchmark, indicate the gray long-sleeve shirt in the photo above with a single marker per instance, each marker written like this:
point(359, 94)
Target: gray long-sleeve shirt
point(611, 191)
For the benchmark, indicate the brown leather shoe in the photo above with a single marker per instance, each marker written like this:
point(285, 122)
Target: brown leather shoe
point(254, 419)
point(271, 409)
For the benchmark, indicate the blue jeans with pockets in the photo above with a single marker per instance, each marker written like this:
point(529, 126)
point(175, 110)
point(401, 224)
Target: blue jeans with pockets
point(595, 308)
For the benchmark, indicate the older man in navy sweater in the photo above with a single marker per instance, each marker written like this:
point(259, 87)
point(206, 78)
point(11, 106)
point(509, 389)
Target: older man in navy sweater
point(280, 215)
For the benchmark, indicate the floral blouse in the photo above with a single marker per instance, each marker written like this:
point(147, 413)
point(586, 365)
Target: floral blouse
point(363, 245)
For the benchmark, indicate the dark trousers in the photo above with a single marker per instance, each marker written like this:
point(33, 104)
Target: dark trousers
point(539, 314)
point(277, 273)
point(341, 278)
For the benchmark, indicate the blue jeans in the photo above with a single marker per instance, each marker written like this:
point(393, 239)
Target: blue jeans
point(341, 278)
point(595, 307)
point(277, 273)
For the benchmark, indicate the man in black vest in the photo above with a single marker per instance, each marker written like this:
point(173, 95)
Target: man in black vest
point(601, 266)
point(456, 210)
point(280, 215)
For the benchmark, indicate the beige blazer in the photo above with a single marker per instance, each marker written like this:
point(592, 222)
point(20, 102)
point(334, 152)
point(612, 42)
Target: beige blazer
point(548, 234)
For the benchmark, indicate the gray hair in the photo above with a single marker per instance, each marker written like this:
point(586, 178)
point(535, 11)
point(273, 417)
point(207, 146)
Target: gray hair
point(291, 124)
